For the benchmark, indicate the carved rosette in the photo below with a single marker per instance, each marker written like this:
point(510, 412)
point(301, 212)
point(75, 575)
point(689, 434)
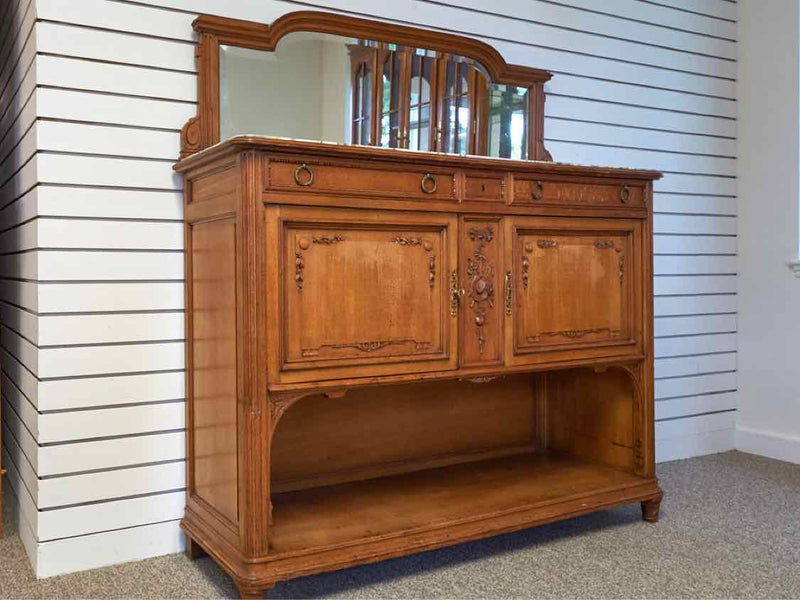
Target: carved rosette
point(481, 273)
point(426, 245)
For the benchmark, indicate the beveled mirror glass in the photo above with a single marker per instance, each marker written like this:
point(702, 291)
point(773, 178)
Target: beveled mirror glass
point(324, 87)
point(333, 78)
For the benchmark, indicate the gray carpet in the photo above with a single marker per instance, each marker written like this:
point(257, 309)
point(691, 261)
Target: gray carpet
point(730, 528)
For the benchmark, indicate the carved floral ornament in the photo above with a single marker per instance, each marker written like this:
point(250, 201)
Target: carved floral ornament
point(481, 273)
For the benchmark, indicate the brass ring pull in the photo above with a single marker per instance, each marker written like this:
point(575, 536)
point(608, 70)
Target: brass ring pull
point(428, 178)
point(537, 190)
point(301, 169)
point(625, 194)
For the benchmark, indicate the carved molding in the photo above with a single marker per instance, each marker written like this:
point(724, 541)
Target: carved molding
point(526, 265)
point(299, 266)
point(370, 346)
point(572, 333)
point(481, 273)
point(426, 245)
point(327, 241)
point(545, 244)
point(482, 379)
point(603, 244)
point(621, 265)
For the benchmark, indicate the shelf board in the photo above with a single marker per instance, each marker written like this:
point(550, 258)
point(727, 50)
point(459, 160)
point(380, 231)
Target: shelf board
point(400, 504)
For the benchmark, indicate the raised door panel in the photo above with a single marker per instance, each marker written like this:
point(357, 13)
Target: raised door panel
point(576, 284)
point(365, 290)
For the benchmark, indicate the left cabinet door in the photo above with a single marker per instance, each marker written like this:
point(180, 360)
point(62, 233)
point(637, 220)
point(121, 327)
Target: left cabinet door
point(360, 293)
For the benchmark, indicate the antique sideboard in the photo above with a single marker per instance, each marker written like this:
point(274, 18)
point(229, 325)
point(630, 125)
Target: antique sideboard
point(393, 350)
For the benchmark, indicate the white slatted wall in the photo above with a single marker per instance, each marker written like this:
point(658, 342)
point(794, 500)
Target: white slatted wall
point(91, 235)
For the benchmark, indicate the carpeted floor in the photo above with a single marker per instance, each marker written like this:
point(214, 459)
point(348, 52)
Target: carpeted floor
point(730, 528)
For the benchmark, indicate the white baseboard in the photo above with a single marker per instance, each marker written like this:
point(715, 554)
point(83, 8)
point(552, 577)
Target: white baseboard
point(769, 444)
point(109, 548)
point(699, 444)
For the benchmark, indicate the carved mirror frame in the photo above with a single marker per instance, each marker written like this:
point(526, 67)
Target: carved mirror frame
point(203, 130)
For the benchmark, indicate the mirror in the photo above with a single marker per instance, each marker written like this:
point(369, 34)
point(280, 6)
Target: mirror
point(325, 87)
point(320, 76)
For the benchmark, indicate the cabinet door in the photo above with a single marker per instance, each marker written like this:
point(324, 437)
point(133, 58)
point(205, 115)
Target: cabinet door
point(365, 293)
point(576, 287)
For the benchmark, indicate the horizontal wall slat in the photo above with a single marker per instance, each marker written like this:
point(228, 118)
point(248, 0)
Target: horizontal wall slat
point(694, 244)
point(62, 394)
point(102, 297)
point(81, 201)
point(109, 516)
point(691, 426)
point(120, 483)
point(692, 386)
point(695, 405)
point(112, 454)
point(708, 205)
point(116, 421)
point(695, 344)
point(695, 365)
point(701, 305)
point(97, 360)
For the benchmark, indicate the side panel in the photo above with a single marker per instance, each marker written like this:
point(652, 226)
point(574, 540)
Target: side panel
point(212, 248)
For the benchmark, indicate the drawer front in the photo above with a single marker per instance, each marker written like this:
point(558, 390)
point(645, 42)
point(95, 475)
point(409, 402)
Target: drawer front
point(576, 286)
point(539, 191)
point(365, 289)
point(484, 187)
point(325, 177)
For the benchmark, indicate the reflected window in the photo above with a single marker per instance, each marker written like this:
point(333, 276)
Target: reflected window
point(508, 119)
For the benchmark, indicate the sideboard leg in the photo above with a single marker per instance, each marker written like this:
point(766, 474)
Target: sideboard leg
point(252, 592)
point(650, 509)
point(193, 549)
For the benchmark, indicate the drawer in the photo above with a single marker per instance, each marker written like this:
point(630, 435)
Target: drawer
point(484, 187)
point(540, 191)
point(327, 177)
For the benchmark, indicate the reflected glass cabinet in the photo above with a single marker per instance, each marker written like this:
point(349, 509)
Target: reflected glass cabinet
point(433, 101)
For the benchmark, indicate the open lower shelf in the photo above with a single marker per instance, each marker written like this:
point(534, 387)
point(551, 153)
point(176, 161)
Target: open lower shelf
point(337, 514)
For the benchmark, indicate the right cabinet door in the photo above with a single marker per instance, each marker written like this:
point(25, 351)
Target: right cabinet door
point(574, 288)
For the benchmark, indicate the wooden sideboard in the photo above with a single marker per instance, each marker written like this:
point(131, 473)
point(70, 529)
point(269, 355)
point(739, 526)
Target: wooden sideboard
point(392, 351)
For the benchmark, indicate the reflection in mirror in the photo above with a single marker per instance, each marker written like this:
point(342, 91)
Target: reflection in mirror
point(508, 119)
point(318, 86)
point(301, 90)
